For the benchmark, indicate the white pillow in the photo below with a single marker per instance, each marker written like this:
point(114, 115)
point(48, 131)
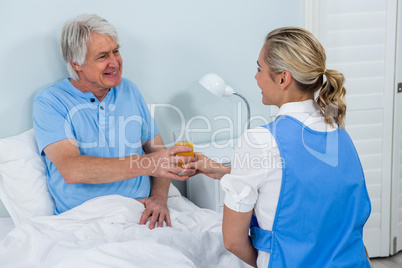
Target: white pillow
point(23, 188)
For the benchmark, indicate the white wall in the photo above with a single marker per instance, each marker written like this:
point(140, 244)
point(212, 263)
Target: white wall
point(166, 47)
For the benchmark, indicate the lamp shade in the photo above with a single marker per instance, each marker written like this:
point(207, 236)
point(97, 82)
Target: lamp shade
point(215, 84)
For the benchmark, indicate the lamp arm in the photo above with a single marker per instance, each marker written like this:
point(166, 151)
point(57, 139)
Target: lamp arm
point(248, 108)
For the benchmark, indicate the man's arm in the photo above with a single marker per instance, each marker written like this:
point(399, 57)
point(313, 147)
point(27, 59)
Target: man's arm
point(77, 168)
point(156, 204)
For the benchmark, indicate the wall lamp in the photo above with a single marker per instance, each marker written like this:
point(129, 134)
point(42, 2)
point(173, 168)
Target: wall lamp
point(215, 84)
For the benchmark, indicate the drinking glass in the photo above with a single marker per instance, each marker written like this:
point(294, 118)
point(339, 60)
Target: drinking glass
point(183, 138)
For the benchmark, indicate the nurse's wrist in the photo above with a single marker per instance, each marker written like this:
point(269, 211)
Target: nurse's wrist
point(222, 171)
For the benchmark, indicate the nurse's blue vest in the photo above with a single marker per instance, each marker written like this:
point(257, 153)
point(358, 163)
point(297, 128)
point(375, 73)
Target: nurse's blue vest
point(323, 203)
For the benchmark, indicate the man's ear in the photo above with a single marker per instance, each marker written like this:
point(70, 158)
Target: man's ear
point(75, 66)
point(284, 79)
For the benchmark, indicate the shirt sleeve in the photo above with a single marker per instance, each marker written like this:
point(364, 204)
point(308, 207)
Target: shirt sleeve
point(255, 159)
point(50, 122)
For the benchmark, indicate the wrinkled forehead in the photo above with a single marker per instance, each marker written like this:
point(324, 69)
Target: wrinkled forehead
point(101, 43)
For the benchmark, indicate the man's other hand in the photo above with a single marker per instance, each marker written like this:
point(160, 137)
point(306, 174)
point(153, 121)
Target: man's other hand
point(156, 209)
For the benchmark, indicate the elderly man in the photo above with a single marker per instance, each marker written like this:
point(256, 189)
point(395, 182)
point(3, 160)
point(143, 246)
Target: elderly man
point(95, 129)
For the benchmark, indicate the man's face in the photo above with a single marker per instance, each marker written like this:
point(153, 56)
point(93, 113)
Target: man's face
point(103, 67)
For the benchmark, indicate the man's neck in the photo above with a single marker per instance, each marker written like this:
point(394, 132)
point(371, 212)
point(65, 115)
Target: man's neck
point(99, 93)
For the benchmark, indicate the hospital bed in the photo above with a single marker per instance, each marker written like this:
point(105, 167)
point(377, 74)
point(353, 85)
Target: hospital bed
point(6, 225)
point(102, 232)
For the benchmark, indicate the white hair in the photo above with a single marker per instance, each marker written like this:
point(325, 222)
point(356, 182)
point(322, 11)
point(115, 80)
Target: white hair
point(75, 35)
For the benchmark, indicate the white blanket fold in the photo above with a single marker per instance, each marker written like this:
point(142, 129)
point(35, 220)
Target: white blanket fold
point(105, 232)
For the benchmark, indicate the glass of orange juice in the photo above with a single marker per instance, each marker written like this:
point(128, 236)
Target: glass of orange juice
point(183, 138)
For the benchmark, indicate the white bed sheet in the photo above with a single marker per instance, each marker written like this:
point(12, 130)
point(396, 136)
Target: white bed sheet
point(6, 225)
point(104, 232)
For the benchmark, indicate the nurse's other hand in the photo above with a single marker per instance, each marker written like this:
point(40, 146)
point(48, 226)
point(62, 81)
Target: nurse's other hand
point(208, 167)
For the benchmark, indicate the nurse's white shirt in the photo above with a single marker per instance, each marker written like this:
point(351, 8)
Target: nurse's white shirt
point(256, 175)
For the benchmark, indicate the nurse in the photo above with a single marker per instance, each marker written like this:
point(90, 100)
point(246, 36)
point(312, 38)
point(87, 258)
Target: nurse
point(298, 180)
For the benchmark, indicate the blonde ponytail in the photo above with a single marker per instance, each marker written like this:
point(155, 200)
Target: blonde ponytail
point(331, 98)
point(297, 51)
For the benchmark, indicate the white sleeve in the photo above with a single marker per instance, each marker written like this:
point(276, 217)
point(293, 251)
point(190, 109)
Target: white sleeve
point(254, 162)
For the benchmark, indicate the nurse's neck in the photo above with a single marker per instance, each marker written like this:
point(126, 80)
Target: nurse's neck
point(295, 95)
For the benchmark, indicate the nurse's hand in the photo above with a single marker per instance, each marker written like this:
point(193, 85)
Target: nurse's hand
point(207, 166)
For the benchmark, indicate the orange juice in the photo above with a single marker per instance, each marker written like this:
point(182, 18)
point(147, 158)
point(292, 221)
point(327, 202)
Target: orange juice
point(185, 143)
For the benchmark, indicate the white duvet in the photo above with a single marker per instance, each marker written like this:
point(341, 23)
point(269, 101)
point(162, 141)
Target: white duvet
point(104, 232)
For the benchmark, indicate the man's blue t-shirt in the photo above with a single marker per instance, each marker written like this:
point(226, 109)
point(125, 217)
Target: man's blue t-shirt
point(115, 127)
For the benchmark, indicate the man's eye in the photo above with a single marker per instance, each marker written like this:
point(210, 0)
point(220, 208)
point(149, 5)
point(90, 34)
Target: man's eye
point(258, 69)
point(116, 51)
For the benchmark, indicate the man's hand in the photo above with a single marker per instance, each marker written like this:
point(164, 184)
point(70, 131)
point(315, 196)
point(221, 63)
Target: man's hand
point(164, 163)
point(156, 209)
